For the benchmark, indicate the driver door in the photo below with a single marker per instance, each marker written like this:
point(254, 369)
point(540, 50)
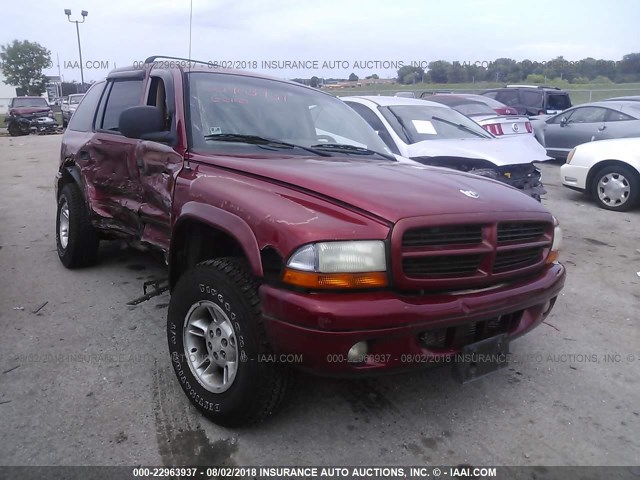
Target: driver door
point(158, 165)
point(579, 126)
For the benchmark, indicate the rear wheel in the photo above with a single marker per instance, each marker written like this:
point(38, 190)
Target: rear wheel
point(218, 345)
point(76, 239)
point(616, 187)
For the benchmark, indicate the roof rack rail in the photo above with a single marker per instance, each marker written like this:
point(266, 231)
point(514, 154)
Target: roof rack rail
point(154, 57)
point(533, 86)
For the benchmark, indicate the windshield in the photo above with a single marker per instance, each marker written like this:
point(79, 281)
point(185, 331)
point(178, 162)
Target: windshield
point(29, 102)
point(222, 104)
point(75, 99)
point(422, 122)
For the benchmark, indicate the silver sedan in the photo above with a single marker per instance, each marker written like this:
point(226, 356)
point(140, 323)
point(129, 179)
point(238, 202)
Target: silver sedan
point(587, 123)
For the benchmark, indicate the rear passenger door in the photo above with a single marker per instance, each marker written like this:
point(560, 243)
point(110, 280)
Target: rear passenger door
point(111, 167)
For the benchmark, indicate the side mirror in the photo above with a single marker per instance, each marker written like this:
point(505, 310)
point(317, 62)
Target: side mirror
point(563, 121)
point(145, 123)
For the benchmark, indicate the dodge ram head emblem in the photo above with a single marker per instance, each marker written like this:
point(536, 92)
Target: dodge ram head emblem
point(470, 193)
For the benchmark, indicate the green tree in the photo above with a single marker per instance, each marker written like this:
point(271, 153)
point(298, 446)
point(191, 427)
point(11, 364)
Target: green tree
point(456, 73)
point(439, 71)
point(373, 77)
point(353, 77)
point(23, 63)
point(314, 82)
point(409, 74)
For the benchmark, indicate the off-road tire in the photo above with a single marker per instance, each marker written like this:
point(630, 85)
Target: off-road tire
point(259, 387)
point(82, 246)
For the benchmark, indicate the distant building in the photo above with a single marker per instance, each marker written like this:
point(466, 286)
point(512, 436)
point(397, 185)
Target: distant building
point(7, 92)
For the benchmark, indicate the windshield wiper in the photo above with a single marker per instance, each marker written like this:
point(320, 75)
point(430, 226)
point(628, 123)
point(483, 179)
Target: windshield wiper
point(346, 148)
point(461, 126)
point(260, 141)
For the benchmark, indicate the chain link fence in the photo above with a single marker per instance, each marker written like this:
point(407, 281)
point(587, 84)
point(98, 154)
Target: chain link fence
point(578, 96)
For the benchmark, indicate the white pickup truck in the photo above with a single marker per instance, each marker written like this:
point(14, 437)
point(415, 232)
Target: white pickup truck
point(68, 106)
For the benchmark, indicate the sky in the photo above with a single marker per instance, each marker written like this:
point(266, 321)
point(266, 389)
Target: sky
point(333, 33)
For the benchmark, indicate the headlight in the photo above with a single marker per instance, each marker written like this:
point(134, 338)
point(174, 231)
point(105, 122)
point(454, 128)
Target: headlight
point(570, 156)
point(554, 254)
point(335, 265)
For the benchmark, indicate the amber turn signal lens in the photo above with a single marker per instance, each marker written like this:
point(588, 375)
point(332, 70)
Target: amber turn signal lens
point(553, 256)
point(334, 281)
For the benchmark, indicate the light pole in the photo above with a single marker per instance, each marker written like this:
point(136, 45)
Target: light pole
point(84, 14)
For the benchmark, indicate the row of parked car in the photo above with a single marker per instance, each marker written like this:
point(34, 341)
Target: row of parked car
point(608, 172)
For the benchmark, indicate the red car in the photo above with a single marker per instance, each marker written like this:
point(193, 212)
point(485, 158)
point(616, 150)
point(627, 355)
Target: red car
point(293, 238)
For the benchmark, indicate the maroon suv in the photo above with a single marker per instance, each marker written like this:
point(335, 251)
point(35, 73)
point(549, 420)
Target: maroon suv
point(293, 237)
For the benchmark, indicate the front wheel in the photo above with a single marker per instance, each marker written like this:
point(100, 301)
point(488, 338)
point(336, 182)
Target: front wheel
point(218, 345)
point(15, 130)
point(616, 187)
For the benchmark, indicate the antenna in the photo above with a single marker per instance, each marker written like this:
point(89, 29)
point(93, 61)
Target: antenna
point(190, 28)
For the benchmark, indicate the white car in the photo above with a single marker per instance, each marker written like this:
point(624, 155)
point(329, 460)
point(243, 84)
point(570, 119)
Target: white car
point(434, 134)
point(608, 170)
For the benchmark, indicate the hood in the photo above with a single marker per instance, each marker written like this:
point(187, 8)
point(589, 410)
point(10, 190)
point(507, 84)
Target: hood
point(387, 189)
point(507, 150)
point(28, 110)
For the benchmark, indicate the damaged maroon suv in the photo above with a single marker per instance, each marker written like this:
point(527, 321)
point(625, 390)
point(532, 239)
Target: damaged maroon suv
point(293, 239)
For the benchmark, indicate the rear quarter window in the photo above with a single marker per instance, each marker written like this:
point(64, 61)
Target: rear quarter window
point(558, 101)
point(82, 119)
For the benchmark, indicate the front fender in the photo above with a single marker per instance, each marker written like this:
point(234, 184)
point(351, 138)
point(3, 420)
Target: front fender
point(223, 220)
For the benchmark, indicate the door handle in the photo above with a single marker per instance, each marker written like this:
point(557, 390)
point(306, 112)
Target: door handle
point(602, 128)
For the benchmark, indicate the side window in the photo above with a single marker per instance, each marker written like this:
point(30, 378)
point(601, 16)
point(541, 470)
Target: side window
point(158, 98)
point(508, 96)
point(82, 120)
point(531, 99)
point(123, 94)
point(490, 94)
point(616, 116)
point(588, 115)
point(374, 122)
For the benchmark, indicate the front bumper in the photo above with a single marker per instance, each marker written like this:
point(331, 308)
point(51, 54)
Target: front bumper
point(316, 331)
point(574, 176)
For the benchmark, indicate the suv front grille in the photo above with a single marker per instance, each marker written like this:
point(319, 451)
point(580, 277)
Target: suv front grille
point(468, 255)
